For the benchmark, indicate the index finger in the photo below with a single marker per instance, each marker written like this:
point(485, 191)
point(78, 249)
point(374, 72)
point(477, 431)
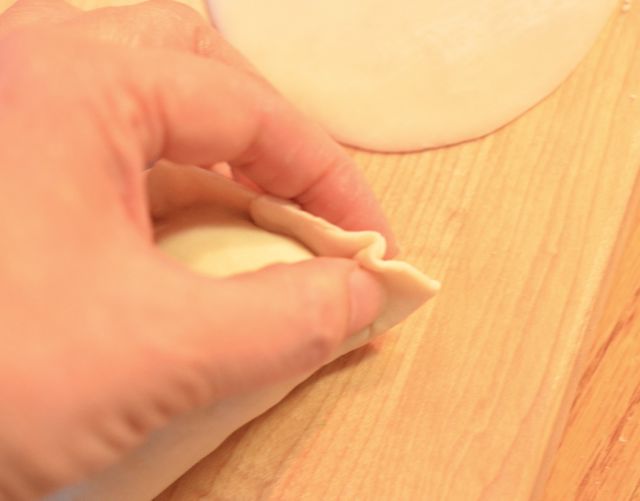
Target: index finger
point(201, 111)
point(293, 158)
point(287, 156)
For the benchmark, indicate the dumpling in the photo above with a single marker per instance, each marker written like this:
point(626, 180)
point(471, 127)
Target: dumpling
point(216, 227)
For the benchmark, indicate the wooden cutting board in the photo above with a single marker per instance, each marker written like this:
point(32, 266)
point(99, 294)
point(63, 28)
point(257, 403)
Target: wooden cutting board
point(466, 400)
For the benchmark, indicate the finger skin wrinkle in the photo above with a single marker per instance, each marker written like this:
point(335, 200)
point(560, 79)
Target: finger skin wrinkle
point(308, 195)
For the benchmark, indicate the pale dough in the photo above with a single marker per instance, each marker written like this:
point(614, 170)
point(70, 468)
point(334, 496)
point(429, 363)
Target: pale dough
point(200, 218)
point(411, 74)
point(220, 242)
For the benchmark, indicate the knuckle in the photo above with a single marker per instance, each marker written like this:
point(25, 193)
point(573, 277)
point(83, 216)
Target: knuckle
point(203, 41)
point(176, 23)
point(198, 35)
point(152, 24)
point(175, 14)
point(178, 9)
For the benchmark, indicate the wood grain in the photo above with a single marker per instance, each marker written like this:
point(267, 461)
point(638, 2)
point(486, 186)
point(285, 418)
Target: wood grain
point(467, 399)
point(599, 456)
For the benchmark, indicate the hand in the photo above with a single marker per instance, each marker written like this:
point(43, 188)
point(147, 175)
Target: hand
point(103, 341)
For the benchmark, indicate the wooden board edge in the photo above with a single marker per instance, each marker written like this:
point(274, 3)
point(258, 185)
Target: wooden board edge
point(606, 281)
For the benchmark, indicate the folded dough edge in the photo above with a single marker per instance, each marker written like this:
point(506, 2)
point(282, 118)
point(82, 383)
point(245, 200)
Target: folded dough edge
point(172, 187)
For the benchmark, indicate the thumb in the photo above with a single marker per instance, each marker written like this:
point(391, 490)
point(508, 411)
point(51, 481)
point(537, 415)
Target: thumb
point(218, 337)
point(179, 341)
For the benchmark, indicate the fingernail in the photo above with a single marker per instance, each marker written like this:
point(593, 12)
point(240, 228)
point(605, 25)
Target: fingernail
point(367, 297)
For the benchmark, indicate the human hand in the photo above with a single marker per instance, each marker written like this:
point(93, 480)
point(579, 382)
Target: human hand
point(103, 339)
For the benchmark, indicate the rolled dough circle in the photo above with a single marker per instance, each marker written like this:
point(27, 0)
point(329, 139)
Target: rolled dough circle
point(412, 74)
